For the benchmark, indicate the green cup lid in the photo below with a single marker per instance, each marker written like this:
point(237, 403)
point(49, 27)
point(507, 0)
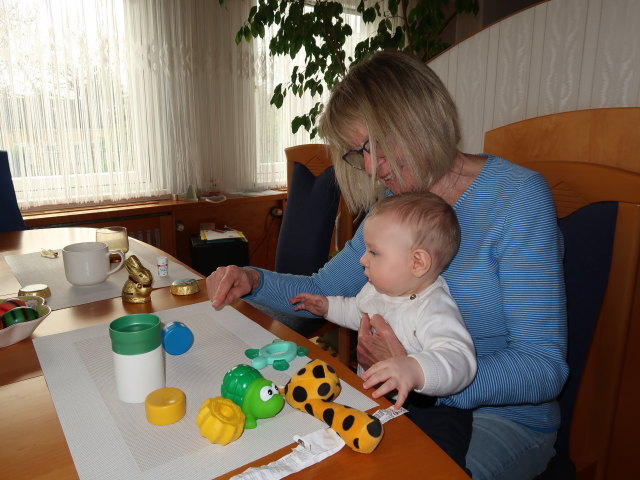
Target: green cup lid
point(135, 334)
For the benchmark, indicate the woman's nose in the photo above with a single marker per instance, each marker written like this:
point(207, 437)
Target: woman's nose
point(367, 162)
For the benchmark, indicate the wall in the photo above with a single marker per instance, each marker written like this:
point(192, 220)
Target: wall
point(556, 56)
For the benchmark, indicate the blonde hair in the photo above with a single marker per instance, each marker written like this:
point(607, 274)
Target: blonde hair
point(406, 110)
point(432, 222)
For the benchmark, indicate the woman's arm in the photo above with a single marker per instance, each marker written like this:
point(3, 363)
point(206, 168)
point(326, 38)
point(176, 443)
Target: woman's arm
point(341, 276)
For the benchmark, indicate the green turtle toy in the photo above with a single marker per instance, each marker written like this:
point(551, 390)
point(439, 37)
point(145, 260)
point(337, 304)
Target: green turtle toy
point(254, 394)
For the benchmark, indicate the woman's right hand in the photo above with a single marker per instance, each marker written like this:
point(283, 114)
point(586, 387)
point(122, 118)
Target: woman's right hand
point(227, 284)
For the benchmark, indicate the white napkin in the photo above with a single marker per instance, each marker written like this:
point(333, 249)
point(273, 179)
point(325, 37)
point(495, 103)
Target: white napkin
point(312, 448)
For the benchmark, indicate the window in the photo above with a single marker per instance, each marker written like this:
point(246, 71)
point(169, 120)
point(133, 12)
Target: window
point(113, 100)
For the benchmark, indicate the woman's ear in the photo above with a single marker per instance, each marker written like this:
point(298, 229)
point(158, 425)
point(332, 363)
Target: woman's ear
point(421, 262)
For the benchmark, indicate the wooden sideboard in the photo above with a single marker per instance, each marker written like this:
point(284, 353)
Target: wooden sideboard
point(169, 224)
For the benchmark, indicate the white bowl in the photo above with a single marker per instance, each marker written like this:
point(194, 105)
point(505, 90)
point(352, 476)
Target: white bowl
point(20, 331)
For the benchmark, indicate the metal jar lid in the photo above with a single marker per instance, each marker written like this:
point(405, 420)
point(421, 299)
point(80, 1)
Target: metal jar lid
point(37, 289)
point(185, 286)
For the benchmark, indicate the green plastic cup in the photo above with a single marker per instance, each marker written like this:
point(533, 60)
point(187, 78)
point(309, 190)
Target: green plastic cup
point(135, 334)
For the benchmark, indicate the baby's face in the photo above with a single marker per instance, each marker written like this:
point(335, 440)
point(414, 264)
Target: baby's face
point(387, 260)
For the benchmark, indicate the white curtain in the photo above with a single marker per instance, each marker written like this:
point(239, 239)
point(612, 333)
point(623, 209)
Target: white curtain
point(63, 102)
point(109, 100)
point(192, 93)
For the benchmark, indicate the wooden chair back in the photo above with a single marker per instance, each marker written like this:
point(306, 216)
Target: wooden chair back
point(586, 157)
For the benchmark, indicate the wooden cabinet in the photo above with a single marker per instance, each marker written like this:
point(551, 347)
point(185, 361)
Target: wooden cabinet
point(169, 224)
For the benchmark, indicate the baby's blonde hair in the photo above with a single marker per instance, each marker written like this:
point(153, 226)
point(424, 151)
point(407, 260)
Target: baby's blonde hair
point(432, 222)
point(406, 110)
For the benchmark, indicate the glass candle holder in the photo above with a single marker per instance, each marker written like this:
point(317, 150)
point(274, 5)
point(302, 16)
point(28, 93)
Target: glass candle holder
point(116, 238)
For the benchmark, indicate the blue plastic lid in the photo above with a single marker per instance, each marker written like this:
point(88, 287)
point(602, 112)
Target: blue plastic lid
point(176, 338)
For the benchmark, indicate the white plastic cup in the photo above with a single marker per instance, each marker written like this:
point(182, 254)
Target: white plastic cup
point(138, 357)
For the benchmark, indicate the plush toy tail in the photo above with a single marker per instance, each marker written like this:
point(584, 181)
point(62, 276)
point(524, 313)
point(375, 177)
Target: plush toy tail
point(358, 429)
point(312, 390)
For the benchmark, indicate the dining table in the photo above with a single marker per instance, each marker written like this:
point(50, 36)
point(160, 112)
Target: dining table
point(33, 444)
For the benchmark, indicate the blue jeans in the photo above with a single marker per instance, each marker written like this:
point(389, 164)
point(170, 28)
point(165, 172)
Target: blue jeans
point(501, 449)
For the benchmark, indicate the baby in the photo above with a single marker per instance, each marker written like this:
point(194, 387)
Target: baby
point(409, 240)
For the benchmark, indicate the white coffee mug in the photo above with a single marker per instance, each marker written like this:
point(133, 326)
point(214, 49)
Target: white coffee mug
point(87, 263)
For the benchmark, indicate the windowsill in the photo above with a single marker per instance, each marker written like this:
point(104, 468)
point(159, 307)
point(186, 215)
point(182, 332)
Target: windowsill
point(56, 210)
point(149, 207)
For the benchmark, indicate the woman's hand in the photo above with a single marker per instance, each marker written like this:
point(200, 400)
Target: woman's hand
point(398, 373)
point(377, 342)
point(227, 284)
point(316, 304)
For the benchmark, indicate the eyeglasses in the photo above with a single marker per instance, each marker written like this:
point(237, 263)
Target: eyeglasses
point(355, 158)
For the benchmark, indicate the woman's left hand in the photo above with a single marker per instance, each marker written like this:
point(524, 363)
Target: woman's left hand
point(376, 341)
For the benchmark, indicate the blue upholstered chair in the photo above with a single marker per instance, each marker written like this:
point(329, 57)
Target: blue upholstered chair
point(309, 217)
point(308, 226)
point(588, 238)
point(10, 216)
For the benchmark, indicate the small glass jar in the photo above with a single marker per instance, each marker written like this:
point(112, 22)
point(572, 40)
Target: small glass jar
point(163, 266)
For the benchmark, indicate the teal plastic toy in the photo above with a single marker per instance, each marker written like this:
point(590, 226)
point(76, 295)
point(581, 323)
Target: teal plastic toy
point(277, 353)
point(254, 394)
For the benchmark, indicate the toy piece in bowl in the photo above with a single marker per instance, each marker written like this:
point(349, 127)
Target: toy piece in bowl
point(27, 321)
point(10, 304)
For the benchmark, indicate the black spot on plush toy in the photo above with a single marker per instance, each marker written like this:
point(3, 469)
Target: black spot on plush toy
point(313, 388)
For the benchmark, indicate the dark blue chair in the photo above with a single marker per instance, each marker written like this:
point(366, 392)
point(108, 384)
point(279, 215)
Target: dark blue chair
point(588, 238)
point(309, 218)
point(307, 226)
point(10, 216)
point(312, 215)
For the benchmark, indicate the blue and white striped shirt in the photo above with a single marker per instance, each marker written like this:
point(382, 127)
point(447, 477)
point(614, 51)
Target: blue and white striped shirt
point(508, 282)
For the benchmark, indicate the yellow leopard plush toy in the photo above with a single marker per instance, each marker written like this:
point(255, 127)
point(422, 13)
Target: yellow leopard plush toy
point(313, 388)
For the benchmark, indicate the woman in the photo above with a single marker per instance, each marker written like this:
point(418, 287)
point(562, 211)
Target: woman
point(392, 127)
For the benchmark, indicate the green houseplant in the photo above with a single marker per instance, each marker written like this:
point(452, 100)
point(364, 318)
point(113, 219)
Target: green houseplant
point(318, 28)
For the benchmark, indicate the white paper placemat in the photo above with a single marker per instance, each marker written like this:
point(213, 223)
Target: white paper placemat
point(109, 439)
point(33, 268)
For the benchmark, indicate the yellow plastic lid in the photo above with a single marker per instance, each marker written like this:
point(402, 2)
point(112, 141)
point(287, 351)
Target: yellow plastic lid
point(165, 406)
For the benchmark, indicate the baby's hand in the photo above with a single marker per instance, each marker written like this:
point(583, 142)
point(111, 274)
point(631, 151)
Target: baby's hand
point(400, 373)
point(316, 304)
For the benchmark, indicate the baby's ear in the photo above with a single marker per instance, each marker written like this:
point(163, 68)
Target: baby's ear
point(421, 262)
